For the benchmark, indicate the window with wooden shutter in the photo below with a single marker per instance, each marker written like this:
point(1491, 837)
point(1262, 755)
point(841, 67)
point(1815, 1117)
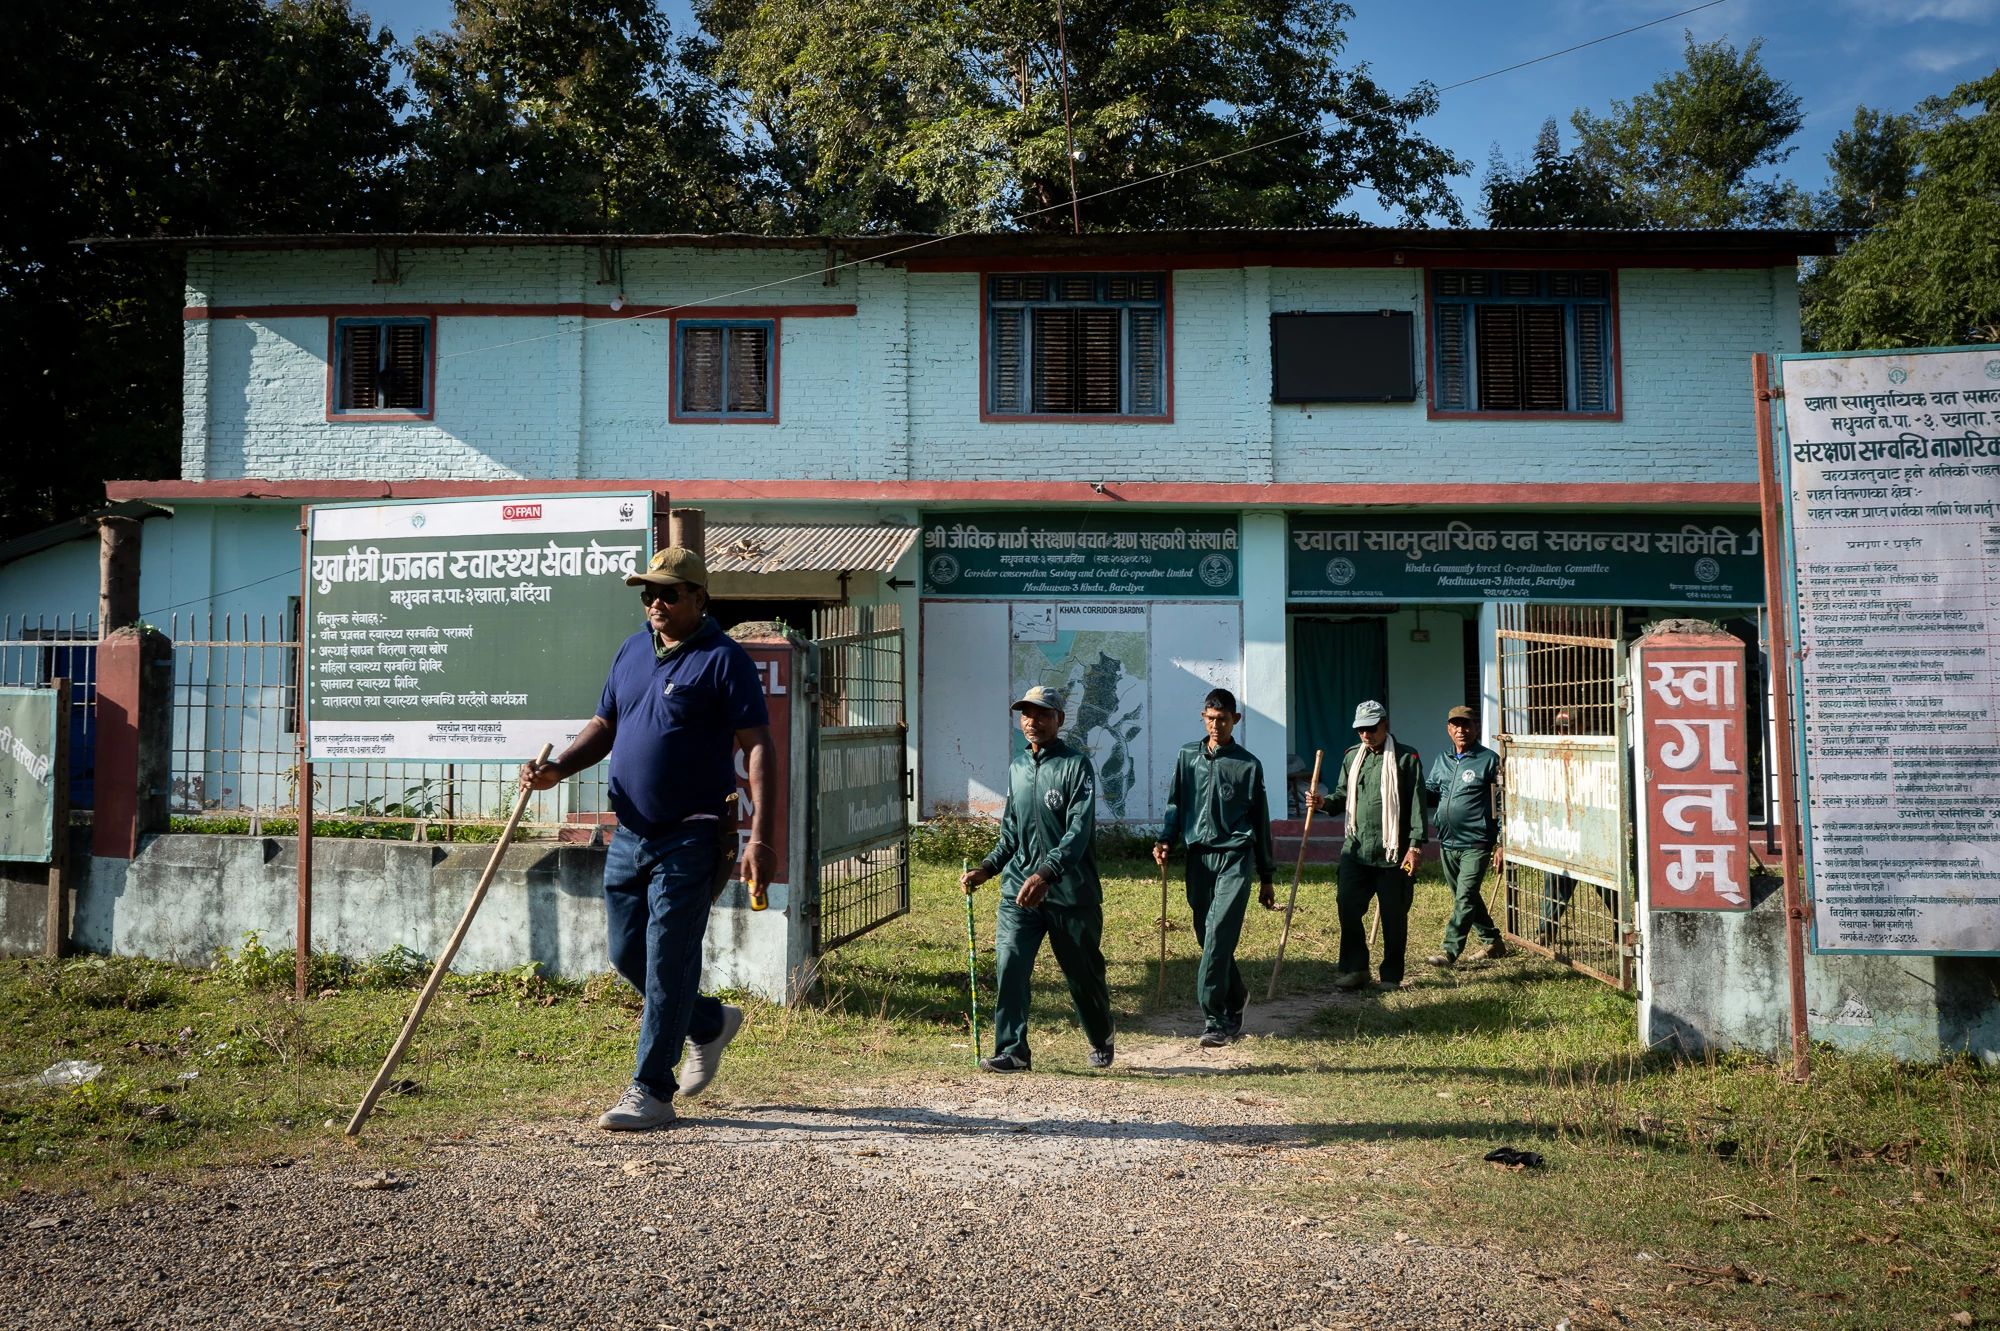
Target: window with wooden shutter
point(724, 370)
point(1522, 341)
point(381, 367)
point(1077, 344)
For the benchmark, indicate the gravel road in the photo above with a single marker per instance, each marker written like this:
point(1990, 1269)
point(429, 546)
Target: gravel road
point(983, 1203)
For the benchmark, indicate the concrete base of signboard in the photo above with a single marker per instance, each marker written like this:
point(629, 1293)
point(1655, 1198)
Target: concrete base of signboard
point(183, 898)
point(1716, 981)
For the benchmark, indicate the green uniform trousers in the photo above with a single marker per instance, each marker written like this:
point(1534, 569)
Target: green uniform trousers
point(1465, 871)
point(1218, 892)
point(1076, 936)
point(1359, 882)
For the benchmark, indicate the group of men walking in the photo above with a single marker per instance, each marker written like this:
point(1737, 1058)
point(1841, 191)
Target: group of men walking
point(683, 701)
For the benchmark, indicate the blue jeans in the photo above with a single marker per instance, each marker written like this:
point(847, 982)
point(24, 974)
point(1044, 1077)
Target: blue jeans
point(656, 898)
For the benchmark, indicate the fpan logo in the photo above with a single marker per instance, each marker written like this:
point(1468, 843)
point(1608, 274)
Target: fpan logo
point(520, 512)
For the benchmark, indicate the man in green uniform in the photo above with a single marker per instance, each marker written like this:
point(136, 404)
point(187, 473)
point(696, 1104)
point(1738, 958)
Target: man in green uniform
point(1217, 803)
point(1464, 787)
point(1380, 789)
point(1048, 885)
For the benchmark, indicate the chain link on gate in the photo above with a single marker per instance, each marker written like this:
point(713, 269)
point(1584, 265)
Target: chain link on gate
point(861, 828)
point(1566, 880)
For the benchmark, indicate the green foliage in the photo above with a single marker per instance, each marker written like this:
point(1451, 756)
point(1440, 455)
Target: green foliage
point(1683, 153)
point(1557, 189)
point(881, 116)
point(948, 839)
point(132, 983)
point(1929, 273)
point(396, 967)
point(254, 966)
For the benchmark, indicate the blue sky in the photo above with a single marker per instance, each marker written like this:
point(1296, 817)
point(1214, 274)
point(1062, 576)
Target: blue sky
point(1836, 54)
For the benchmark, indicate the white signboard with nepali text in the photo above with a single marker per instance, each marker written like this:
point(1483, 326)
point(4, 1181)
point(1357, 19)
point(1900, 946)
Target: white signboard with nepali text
point(1891, 478)
point(465, 630)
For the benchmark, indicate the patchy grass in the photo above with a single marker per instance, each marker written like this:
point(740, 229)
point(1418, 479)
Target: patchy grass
point(1715, 1190)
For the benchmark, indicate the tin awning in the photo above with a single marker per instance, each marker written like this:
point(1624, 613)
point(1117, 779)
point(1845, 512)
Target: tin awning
point(742, 547)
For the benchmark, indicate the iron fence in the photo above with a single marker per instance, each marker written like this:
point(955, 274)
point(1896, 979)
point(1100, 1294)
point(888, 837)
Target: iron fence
point(860, 687)
point(35, 651)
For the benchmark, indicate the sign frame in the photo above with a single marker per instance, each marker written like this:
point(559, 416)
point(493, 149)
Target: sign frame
point(56, 774)
point(953, 545)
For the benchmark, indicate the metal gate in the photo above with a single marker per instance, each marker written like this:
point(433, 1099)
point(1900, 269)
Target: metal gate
point(1566, 792)
point(860, 766)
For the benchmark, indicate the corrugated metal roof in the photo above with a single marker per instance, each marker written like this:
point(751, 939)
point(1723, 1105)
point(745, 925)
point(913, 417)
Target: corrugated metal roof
point(743, 547)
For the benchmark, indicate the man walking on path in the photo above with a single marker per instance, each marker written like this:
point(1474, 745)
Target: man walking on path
point(681, 698)
point(1048, 885)
point(1217, 803)
point(1464, 788)
point(1380, 789)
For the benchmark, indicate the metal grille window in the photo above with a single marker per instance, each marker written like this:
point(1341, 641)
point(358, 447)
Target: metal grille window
point(1077, 344)
point(382, 366)
point(723, 370)
point(1522, 341)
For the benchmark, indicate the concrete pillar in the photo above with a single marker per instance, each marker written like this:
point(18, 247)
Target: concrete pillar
point(117, 573)
point(135, 685)
point(1265, 729)
point(688, 528)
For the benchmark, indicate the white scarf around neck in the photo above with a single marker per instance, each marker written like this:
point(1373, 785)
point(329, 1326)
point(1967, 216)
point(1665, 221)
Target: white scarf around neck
point(1391, 794)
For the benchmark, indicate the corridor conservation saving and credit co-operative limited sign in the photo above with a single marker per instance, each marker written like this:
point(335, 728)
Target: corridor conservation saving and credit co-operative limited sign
point(465, 630)
point(1060, 556)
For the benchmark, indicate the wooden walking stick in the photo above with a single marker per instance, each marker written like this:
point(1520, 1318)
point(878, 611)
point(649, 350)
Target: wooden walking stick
point(1298, 872)
point(1160, 995)
point(438, 971)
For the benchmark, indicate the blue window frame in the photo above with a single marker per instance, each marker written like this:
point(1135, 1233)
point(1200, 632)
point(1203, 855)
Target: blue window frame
point(725, 369)
point(382, 367)
point(1522, 341)
point(1076, 344)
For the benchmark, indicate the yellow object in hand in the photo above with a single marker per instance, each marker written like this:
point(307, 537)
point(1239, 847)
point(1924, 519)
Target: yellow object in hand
point(760, 896)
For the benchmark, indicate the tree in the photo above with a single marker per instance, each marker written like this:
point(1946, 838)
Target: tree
point(127, 117)
point(1559, 189)
point(944, 117)
point(568, 115)
point(1928, 274)
point(1684, 152)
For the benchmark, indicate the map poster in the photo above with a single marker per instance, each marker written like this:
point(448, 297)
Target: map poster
point(1097, 656)
point(465, 630)
point(1891, 477)
point(1069, 555)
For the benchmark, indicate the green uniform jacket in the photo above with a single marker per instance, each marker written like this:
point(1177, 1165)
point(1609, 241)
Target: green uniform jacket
point(1049, 825)
point(1364, 842)
point(1217, 800)
point(1462, 792)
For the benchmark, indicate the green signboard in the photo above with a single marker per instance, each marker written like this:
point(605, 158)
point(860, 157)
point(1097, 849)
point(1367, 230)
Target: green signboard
point(861, 789)
point(1600, 558)
point(30, 743)
point(466, 630)
point(1154, 556)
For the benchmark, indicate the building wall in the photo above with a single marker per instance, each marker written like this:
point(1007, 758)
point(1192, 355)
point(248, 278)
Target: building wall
point(891, 390)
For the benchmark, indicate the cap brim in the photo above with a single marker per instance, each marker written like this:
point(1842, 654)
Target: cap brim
point(1023, 703)
point(657, 580)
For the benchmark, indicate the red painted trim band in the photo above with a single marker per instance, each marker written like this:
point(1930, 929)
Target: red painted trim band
point(1412, 258)
point(559, 310)
point(1184, 494)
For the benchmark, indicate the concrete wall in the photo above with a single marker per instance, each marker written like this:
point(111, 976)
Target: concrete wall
point(891, 392)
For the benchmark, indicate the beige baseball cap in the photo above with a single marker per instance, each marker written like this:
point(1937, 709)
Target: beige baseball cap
point(674, 564)
point(1040, 695)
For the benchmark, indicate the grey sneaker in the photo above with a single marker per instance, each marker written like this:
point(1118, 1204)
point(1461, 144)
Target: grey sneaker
point(638, 1110)
point(1100, 1056)
point(1351, 980)
point(1214, 1039)
point(1005, 1063)
point(1444, 960)
point(699, 1066)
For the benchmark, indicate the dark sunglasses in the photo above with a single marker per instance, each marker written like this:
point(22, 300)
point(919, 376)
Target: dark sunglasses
point(648, 594)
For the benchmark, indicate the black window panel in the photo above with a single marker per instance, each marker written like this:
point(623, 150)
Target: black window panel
point(1343, 356)
point(701, 370)
point(1077, 361)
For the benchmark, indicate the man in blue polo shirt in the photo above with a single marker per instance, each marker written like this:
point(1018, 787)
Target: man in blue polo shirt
point(681, 699)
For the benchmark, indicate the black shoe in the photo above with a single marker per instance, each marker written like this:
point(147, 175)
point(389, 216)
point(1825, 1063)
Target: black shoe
point(1234, 1026)
point(1214, 1039)
point(1100, 1056)
point(1005, 1063)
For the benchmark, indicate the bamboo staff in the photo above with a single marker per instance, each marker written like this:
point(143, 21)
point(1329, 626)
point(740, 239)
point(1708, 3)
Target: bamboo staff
point(1160, 994)
point(971, 962)
point(1298, 872)
point(443, 965)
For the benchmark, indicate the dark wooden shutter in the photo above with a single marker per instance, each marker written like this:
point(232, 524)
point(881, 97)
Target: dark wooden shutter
point(1055, 359)
point(360, 360)
point(701, 370)
point(1148, 363)
point(403, 367)
point(1544, 365)
point(1009, 379)
point(1521, 359)
point(1100, 361)
point(750, 370)
point(1452, 391)
point(1499, 357)
point(1593, 359)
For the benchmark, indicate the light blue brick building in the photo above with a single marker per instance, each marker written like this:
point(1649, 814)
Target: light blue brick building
point(1305, 464)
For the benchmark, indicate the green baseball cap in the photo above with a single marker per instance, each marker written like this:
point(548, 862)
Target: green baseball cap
point(674, 564)
point(1369, 715)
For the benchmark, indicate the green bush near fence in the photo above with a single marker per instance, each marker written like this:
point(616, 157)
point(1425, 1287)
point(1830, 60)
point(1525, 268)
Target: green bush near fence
point(347, 829)
point(952, 837)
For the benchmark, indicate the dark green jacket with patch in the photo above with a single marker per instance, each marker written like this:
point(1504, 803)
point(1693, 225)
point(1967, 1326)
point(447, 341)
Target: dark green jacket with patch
point(1217, 800)
point(1049, 825)
point(1364, 839)
point(1463, 792)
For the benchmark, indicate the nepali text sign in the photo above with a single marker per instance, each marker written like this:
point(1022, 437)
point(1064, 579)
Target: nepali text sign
point(1892, 491)
point(1608, 559)
point(861, 788)
point(465, 630)
point(1693, 712)
point(29, 757)
point(1047, 555)
point(1561, 807)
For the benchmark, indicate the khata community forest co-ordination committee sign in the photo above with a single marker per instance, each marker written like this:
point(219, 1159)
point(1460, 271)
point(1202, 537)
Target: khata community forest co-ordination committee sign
point(1058, 556)
point(1891, 471)
point(465, 630)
